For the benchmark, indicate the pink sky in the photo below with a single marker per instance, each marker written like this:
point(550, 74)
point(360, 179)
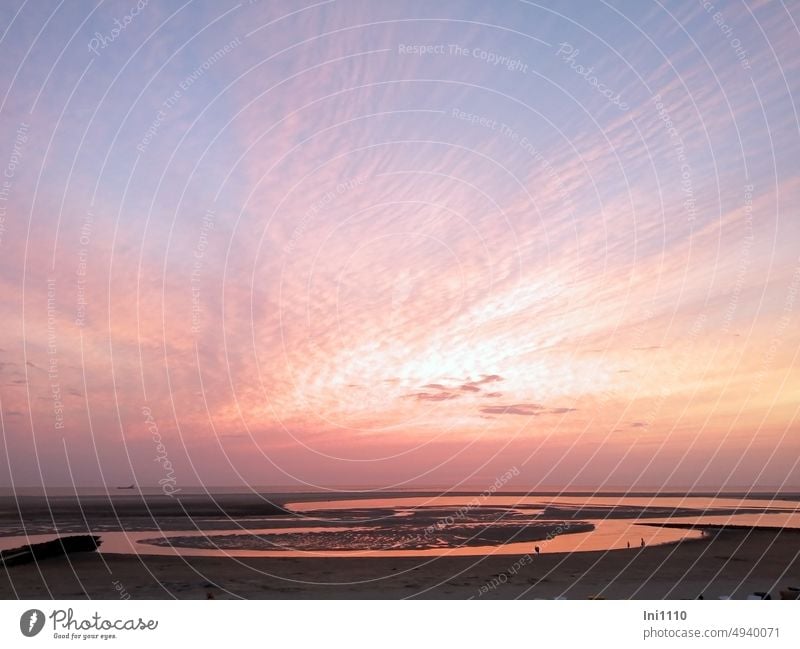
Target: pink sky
point(319, 260)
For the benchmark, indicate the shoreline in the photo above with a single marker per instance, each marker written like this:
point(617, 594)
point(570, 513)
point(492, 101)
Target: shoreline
point(733, 563)
point(89, 514)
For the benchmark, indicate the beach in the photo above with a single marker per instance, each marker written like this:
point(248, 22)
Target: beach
point(402, 545)
point(734, 563)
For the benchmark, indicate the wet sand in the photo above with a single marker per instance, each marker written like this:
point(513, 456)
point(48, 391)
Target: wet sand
point(132, 507)
point(34, 515)
point(733, 563)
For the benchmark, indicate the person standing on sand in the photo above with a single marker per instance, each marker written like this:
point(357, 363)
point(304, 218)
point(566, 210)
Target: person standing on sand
point(642, 541)
point(537, 549)
point(629, 545)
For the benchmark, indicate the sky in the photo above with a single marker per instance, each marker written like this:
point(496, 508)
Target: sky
point(400, 244)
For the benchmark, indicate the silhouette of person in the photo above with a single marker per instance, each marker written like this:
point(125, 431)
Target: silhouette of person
point(642, 541)
point(538, 549)
point(629, 545)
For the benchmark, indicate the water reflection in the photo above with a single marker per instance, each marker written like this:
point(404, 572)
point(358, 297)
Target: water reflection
point(447, 526)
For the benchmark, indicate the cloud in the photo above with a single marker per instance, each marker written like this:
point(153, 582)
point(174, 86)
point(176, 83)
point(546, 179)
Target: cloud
point(476, 386)
point(465, 386)
point(524, 409)
point(421, 255)
point(434, 396)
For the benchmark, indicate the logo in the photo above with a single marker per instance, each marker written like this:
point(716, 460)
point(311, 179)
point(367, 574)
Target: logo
point(31, 622)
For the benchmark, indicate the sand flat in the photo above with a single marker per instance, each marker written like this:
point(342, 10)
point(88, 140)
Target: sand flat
point(734, 563)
